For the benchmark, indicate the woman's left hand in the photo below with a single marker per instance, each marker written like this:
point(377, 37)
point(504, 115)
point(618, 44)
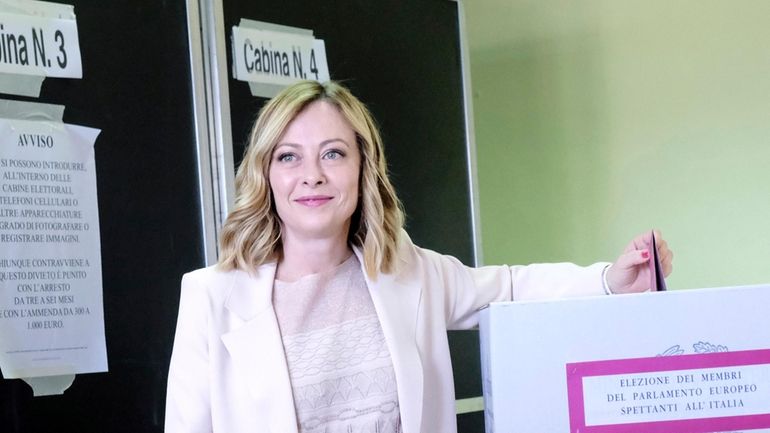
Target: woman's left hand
point(631, 272)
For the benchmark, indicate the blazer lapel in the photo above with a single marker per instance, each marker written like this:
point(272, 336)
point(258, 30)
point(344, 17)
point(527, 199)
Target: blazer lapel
point(256, 348)
point(396, 301)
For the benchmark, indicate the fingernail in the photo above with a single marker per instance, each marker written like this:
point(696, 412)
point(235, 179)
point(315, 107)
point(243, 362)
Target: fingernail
point(645, 254)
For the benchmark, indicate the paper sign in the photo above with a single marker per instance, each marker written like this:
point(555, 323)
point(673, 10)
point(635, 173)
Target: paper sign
point(33, 45)
point(711, 392)
point(277, 58)
point(51, 312)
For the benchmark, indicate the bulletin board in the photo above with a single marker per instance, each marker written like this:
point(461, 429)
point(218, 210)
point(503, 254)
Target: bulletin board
point(136, 90)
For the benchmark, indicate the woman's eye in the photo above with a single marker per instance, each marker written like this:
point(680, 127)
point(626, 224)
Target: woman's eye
point(333, 154)
point(286, 157)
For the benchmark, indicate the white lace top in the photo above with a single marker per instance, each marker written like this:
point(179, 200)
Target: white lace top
point(339, 365)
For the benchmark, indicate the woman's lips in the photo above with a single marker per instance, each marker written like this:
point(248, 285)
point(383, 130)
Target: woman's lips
point(314, 200)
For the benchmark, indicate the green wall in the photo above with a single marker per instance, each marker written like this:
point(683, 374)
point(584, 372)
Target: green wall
point(597, 120)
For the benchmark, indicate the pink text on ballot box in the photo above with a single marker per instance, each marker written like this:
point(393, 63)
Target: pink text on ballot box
point(702, 393)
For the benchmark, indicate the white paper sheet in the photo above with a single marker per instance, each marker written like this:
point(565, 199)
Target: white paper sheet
point(51, 311)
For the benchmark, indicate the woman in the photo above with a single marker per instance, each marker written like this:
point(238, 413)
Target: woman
point(322, 316)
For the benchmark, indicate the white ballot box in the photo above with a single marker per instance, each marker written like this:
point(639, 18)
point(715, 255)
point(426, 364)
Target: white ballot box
point(690, 361)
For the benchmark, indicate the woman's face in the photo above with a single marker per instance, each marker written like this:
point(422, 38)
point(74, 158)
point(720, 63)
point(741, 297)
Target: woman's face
point(314, 172)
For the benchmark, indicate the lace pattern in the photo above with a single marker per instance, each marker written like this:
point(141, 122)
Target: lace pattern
point(340, 368)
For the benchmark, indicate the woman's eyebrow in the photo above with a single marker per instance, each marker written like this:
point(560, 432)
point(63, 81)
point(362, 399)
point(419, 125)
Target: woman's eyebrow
point(322, 145)
point(294, 145)
point(334, 140)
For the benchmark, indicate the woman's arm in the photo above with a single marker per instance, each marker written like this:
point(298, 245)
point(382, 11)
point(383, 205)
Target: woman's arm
point(462, 290)
point(188, 399)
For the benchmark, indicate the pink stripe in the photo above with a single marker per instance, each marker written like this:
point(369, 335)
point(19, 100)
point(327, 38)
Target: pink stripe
point(577, 371)
point(705, 425)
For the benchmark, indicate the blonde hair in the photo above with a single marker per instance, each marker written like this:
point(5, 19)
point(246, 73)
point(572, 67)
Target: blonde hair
point(251, 235)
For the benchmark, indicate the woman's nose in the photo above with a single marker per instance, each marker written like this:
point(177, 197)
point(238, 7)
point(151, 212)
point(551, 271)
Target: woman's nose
point(313, 175)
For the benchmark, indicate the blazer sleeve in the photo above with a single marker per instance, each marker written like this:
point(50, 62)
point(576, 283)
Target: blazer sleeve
point(465, 289)
point(188, 407)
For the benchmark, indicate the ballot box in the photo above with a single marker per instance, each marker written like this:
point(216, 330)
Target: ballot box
point(685, 361)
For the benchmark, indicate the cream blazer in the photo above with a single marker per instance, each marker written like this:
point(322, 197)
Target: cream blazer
point(228, 371)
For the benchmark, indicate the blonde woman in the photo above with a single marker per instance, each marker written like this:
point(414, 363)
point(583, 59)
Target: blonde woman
point(322, 315)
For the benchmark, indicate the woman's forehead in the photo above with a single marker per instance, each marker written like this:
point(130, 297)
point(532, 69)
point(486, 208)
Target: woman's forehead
point(317, 122)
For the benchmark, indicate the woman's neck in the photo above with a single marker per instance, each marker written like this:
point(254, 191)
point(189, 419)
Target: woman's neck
point(311, 256)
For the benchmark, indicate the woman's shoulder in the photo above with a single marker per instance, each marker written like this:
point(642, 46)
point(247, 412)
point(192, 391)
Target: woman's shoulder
point(414, 258)
point(208, 282)
point(409, 252)
point(215, 276)
point(208, 274)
